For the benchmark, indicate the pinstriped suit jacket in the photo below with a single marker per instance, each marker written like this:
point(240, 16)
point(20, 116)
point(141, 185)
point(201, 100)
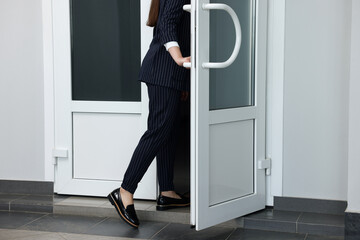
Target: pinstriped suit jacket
point(158, 67)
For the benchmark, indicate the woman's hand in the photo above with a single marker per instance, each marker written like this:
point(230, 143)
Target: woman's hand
point(183, 60)
point(184, 96)
point(177, 56)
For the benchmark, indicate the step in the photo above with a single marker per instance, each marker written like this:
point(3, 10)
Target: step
point(267, 219)
point(296, 222)
point(101, 207)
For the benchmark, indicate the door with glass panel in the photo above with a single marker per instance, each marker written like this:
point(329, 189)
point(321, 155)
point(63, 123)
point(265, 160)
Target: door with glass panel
point(101, 107)
point(228, 109)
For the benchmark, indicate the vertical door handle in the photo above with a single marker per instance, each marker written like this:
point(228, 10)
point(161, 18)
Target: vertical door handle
point(228, 9)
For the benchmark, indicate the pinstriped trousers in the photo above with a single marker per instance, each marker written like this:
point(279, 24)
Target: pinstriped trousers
point(158, 141)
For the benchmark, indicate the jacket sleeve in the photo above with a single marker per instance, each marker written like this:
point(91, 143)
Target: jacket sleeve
point(171, 16)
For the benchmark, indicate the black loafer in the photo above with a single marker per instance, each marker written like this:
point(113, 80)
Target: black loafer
point(128, 214)
point(164, 203)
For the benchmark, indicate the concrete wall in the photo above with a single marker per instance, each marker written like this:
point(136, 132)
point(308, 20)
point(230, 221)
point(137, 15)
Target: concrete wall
point(21, 90)
point(317, 55)
point(354, 116)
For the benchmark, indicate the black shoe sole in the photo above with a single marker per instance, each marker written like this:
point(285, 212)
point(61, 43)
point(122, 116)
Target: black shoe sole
point(113, 202)
point(171, 206)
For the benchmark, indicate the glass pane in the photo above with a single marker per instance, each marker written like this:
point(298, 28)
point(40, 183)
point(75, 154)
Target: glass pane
point(105, 50)
point(232, 86)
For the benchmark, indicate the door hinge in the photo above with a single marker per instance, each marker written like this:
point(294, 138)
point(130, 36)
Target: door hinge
point(265, 164)
point(59, 153)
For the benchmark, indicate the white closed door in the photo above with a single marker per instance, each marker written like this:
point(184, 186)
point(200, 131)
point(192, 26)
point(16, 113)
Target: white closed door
point(101, 108)
point(228, 109)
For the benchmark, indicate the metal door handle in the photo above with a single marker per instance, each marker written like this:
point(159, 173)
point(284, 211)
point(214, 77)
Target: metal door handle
point(187, 64)
point(228, 9)
point(187, 8)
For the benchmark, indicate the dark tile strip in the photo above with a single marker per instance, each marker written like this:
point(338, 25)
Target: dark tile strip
point(309, 205)
point(27, 187)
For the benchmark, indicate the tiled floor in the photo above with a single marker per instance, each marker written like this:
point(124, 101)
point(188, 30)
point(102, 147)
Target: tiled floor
point(73, 217)
point(28, 226)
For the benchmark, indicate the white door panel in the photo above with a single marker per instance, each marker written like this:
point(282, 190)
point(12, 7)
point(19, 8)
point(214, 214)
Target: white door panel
point(231, 157)
point(103, 144)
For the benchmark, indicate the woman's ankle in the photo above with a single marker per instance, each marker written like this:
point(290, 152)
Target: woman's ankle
point(127, 197)
point(170, 194)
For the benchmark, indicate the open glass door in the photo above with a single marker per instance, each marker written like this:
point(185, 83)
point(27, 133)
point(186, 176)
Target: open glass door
point(227, 109)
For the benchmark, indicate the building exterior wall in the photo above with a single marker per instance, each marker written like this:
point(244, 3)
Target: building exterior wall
point(21, 90)
point(316, 86)
point(316, 89)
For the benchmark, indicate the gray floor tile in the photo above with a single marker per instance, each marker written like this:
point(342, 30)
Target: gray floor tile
point(321, 224)
point(35, 199)
point(320, 229)
point(8, 197)
point(249, 234)
point(59, 198)
point(33, 203)
point(73, 236)
point(31, 208)
point(116, 227)
point(164, 216)
point(323, 219)
point(8, 234)
point(83, 201)
point(63, 223)
point(317, 237)
point(17, 219)
point(4, 207)
point(271, 214)
point(271, 225)
point(233, 223)
point(273, 220)
point(184, 232)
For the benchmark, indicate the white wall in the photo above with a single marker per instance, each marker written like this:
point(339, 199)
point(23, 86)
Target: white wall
point(317, 38)
point(354, 114)
point(21, 90)
point(317, 54)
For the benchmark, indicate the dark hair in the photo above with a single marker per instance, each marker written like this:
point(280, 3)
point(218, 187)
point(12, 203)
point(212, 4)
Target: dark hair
point(153, 13)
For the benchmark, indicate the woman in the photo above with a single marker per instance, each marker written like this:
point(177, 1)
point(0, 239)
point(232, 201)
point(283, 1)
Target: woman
point(168, 83)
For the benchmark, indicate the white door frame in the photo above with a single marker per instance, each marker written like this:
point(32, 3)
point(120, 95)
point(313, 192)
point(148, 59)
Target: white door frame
point(275, 94)
point(275, 98)
point(49, 81)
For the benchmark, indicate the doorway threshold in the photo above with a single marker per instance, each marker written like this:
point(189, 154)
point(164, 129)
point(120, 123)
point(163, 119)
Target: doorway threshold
point(101, 207)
